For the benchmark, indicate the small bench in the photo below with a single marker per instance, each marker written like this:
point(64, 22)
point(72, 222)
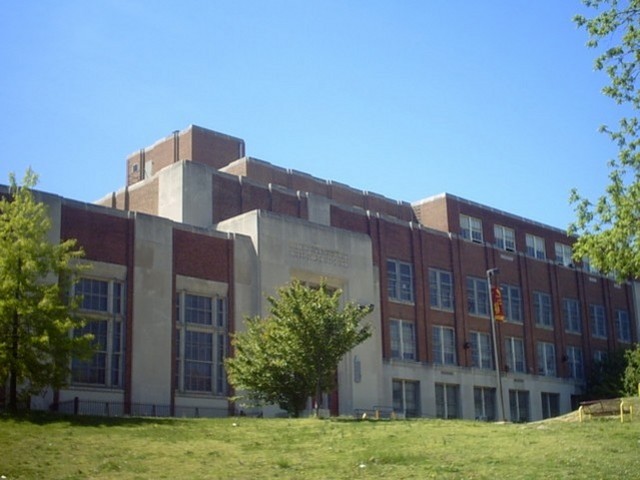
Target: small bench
point(376, 413)
point(607, 407)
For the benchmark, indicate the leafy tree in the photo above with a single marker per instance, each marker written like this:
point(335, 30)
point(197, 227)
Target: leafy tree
point(606, 379)
point(293, 354)
point(609, 230)
point(35, 316)
point(632, 371)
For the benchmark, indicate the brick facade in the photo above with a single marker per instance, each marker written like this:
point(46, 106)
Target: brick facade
point(425, 239)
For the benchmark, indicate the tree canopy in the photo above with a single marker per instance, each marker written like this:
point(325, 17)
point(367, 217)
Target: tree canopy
point(36, 316)
point(294, 353)
point(608, 229)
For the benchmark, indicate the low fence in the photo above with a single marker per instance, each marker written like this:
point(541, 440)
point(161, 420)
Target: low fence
point(377, 412)
point(120, 409)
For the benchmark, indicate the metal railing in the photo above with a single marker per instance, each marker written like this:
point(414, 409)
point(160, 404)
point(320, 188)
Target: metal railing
point(121, 409)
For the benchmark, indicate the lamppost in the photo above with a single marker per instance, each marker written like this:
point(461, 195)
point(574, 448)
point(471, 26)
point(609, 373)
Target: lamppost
point(496, 358)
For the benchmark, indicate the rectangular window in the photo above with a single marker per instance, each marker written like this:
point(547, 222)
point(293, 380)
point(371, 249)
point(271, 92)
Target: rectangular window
point(440, 289)
point(477, 297)
point(546, 355)
point(599, 356)
point(94, 293)
point(505, 238)
point(484, 400)
point(406, 397)
point(514, 349)
point(571, 315)
point(512, 301)
point(471, 228)
point(576, 365)
point(198, 361)
point(623, 326)
point(536, 247)
point(103, 304)
point(400, 281)
point(519, 405)
point(201, 325)
point(542, 309)
point(93, 371)
point(197, 310)
point(444, 346)
point(564, 255)
point(588, 267)
point(550, 404)
point(403, 340)
point(481, 354)
point(447, 401)
point(598, 323)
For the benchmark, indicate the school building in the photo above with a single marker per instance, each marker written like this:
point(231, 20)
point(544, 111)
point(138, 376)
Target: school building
point(201, 233)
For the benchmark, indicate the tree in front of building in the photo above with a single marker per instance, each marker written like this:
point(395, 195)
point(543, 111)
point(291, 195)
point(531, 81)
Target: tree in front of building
point(36, 317)
point(631, 377)
point(617, 375)
point(293, 354)
point(606, 379)
point(609, 229)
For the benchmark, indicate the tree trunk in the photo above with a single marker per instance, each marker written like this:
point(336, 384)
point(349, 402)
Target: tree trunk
point(13, 368)
point(15, 343)
point(318, 399)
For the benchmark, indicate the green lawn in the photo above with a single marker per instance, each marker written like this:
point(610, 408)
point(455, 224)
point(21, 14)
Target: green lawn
point(41, 446)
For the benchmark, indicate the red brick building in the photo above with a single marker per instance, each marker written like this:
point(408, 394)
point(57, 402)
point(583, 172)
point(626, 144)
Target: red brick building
point(200, 233)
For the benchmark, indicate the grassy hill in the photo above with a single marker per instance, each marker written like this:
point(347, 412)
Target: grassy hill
point(40, 446)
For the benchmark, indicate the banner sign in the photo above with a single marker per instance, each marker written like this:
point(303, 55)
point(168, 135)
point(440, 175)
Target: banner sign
point(498, 306)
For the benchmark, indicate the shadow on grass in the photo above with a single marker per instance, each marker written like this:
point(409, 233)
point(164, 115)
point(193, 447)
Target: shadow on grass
point(374, 421)
point(48, 418)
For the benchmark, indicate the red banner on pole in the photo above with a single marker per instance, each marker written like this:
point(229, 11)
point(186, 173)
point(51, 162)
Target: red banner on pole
point(498, 306)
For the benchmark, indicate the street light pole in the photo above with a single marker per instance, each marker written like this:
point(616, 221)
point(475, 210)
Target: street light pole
point(496, 357)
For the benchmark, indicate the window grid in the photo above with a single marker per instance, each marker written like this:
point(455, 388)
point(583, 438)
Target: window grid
point(571, 315)
point(598, 322)
point(484, 399)
point(197, 310)
point(512, 301)
point(564, 254)
point(403, 340)
point(471, 228)
point(444, 346)
point(201, 323)
point(400, 281)
point(481, 352)
point(546, 356)
point(440, 289)
point(576, 365)
point(514, 348)
point(406, 397)
point(477, 297)
point(94, 293)
point(104, 302)
point(447, 399)
point(599, 356)
point(542, 309)
point(588, 267)
point(550, 404)
point(623, 326)
point(505, 238)
point(198, 361)
point(519, 405)
point(93, 371)
point(536, 247)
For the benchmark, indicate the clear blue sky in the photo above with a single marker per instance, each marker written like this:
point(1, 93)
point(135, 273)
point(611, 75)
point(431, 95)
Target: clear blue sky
point(495, 101)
